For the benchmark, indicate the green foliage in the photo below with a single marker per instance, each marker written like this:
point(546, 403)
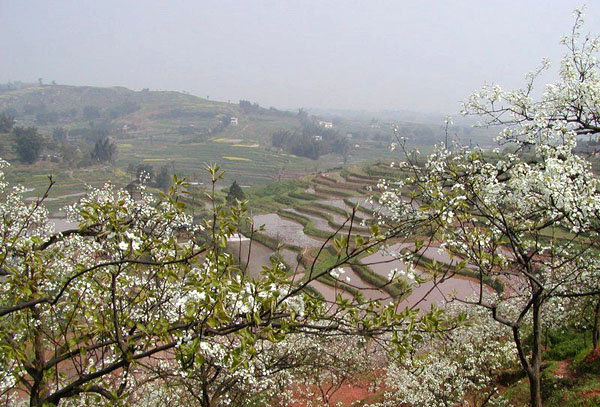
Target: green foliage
point(235, 193)
point(564, 344)
point(45, 118)
point(285, 200)
point(28, 143)
point(144, 269)
point(123, 109)
point(59, 134)
point(164, 178)
point(91, 112)
point(587, 361)
point(104, 151)
point(312, 141)
point(6, 122)
point(273, 189)
point(91, 134)
point(333, 192)
point(170, 126)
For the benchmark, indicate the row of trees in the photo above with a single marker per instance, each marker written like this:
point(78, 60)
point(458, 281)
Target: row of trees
point(311, 142)
point(161, 179)
point(44, 116)
point(28, 142)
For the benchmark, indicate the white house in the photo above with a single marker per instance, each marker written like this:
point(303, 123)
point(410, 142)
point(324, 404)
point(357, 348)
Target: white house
point(327, 125)
point(233, 121)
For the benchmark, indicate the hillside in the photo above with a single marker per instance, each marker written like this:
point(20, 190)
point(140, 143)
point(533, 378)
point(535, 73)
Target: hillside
point(160, 128)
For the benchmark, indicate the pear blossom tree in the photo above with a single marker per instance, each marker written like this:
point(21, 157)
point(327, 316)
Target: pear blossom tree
point(301, 369)
point(326, 363)
point(529, 217)
point(456, 369)
point(137, 292)
point(211, 380)
point(577, 309)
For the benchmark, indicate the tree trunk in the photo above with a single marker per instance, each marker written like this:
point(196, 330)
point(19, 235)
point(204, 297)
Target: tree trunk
point(535, 372)
point(596, 327)
point(535, 393)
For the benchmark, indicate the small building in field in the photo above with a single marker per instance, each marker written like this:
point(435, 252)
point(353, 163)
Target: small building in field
point(327, 125)
point(233, 121)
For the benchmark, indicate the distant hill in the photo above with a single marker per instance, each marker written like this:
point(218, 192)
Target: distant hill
point(158, 113)
point(160, 128)
point(185, 132)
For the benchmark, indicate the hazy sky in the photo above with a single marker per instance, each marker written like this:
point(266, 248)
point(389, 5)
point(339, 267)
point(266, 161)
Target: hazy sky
point(417, 55)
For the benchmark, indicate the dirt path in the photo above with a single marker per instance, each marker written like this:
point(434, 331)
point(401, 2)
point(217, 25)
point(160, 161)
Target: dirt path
point(563, 369)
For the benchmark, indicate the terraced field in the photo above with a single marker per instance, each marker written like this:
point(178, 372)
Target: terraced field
point(301, 216)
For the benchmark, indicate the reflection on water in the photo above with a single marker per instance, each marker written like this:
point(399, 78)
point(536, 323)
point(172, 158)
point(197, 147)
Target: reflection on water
point(286, 231)
point(260, 255)
point(455, 287)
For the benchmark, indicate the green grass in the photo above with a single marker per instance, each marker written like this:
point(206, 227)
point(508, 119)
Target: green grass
point(564, 344)
point(154, 135)
point(580, 387)
point(303, 195)
point(267, 241)
point(334, 209)
point(333, 192)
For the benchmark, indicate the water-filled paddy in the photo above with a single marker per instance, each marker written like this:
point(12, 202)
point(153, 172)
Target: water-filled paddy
point(285, 231)
point(319, 223)
point(456, 287)
point(260, 255)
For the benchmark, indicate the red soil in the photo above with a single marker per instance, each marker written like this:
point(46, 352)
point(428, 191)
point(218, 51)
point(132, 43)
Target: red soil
point(562, 369)
point(349, 393)
point(590, 394)
point(346, 395)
